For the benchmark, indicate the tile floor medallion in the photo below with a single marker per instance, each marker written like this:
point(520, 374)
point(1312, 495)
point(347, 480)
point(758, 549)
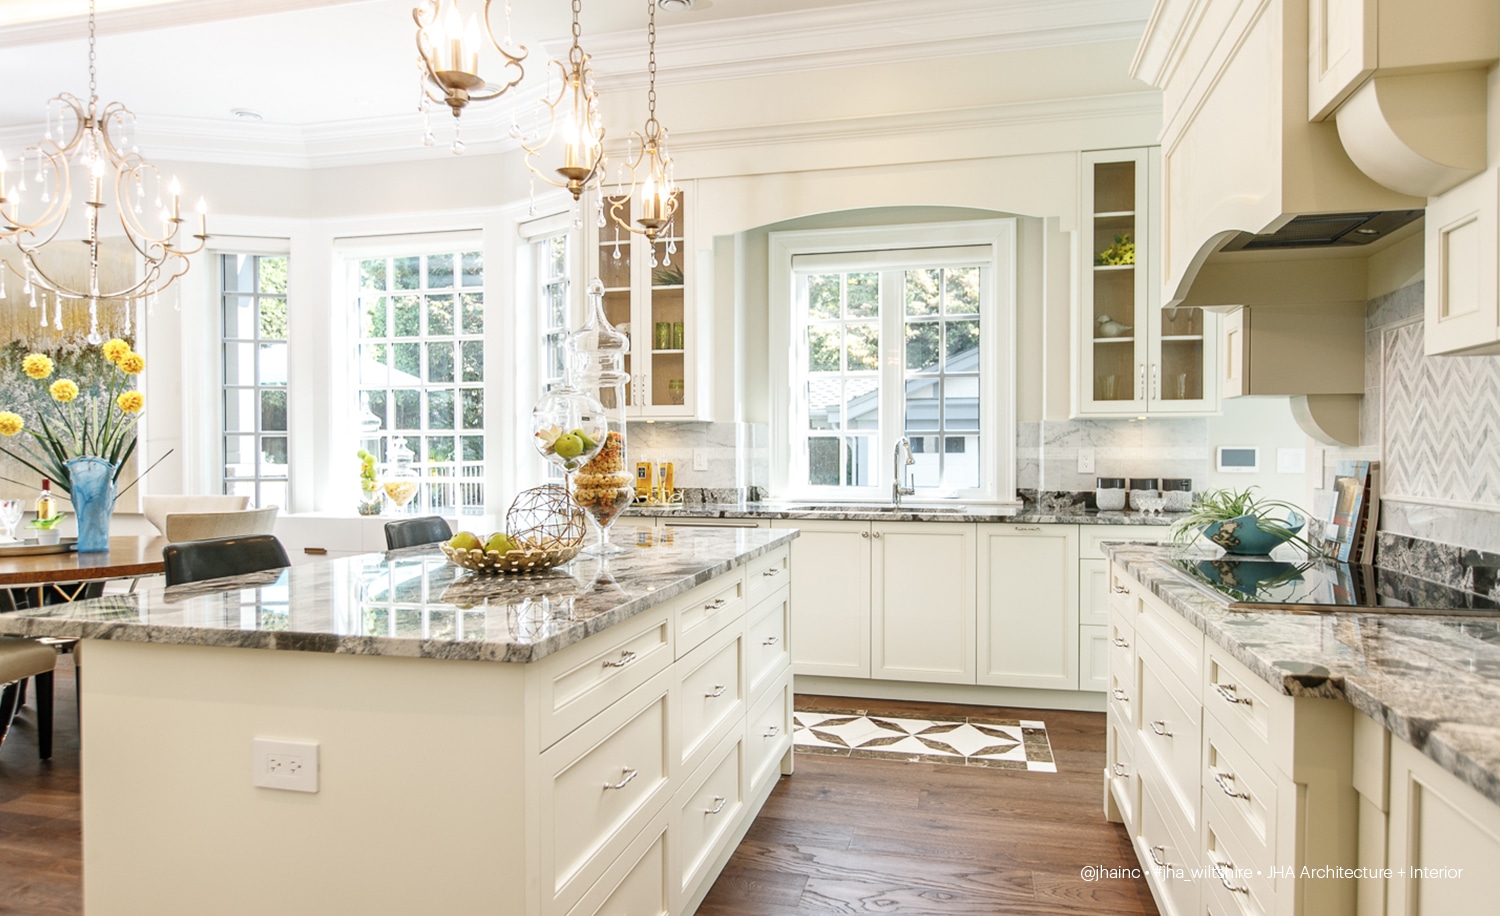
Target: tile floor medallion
point(1013, 744)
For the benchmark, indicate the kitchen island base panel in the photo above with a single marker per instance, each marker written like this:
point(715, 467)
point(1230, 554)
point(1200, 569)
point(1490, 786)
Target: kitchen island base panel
point(965, 694)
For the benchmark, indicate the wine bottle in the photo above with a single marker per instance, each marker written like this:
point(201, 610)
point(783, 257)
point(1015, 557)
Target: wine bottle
point(46, 506)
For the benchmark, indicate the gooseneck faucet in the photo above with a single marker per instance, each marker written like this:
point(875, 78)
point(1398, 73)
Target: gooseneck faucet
point(898, 472)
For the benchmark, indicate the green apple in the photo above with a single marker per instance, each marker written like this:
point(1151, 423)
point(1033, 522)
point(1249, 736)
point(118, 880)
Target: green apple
point(499, 543)
point(586, 439)
point(464, 540)
point(568, 445)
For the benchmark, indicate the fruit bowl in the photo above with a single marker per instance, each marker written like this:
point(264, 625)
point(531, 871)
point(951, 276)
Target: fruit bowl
point(526, 556)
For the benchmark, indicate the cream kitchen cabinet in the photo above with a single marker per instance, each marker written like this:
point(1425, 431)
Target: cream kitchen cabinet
point(1132, 357)
point(830, 615)
point(1028, 633)
point(650, 289)
point(1095, 641)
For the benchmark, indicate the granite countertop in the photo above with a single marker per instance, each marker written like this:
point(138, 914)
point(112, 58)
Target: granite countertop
point(918, 512)
point(1433, 681)
point(411, 603)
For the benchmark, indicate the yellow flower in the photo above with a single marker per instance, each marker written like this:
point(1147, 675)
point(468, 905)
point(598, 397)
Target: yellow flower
point(36, 365)
point(63, 390)
point(130, 402)
point(114, 349)
point(10, 423)
point(132, 363)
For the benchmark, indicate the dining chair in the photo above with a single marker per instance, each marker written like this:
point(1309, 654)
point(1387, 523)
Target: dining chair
point(157, 508)
point(198, 526)
point(215, 558)
point(412, 532)
point(21, 659)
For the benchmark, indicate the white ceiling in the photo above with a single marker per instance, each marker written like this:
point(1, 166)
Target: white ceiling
point(319, 68)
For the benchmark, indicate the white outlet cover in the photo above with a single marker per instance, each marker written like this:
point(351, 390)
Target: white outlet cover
point(1085, 460)
point(288, 765)
point(700, 459)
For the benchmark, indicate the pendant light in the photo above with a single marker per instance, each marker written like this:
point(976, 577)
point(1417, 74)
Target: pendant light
point(573, 123)
point(658, 195)
point(448, 57)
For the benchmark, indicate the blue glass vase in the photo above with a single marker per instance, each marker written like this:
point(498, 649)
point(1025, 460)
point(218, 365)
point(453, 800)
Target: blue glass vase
point(92, 491)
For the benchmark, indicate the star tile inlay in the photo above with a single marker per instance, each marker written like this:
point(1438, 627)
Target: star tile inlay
point(1019, 744)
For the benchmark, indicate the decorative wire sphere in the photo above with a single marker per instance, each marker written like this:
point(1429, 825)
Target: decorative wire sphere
point(545, 518)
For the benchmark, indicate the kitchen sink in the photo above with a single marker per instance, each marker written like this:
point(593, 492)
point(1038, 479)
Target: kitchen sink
point(856, 507)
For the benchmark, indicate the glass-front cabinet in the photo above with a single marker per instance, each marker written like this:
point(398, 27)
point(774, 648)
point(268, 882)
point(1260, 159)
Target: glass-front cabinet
point(1133, 357)
point(648, 295)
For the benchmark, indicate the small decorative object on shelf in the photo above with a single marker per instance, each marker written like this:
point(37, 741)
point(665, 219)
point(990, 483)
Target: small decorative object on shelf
point(369, 487)
point(1238, 522)
point(1120, 254)
point(402, 483)
point(544, 527)
point(1108, 327)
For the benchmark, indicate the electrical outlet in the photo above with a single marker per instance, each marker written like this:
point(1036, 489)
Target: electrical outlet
point(1086, 461)
point(289, 765)
point(700, 459)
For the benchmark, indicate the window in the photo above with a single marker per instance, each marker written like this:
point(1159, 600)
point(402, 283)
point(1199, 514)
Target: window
point(421, 371)
point(552, 271)
point(880, 342)
point(253, 294)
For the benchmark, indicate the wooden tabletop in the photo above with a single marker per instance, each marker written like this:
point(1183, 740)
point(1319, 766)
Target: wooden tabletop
point(128, 556)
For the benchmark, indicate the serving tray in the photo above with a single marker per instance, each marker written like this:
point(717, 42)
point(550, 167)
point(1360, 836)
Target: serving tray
point(30, 548)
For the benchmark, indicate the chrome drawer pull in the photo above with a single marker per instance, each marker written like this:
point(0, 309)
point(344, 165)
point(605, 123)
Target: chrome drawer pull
point(1160, 862)
point(1121, 643)
point(1119, 589)
point(718, 691)
point(773, 732)
point(628, 773)
point(626, 658)
point(719, 803)
point(773, 571)
point(715, 604)
point(1120, 769)
point(1025, 528)
point(1230, 694)
point(1226, 784)
point(1120, 695)
point(1160, 727)
point(771, 640)
point(1220, 868)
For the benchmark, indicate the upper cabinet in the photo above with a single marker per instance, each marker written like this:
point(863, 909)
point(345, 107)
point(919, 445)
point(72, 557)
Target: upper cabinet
point(1133, 357)
point(649, 292)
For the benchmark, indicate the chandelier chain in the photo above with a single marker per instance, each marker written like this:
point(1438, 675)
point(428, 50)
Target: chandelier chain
point(651, 66)
point(93, 59)
point(575, 53)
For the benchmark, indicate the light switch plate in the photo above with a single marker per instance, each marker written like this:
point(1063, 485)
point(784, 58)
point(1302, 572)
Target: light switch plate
point(289, 765)
point(1291, 461)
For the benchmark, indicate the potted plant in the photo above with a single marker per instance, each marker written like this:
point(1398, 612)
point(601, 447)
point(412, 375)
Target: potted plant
point(1241, 523)
point(47, 528)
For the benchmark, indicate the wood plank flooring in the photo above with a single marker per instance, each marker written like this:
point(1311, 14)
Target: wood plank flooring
point(841, 836)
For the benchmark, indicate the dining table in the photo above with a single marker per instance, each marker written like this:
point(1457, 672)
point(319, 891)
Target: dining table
point(67, 575)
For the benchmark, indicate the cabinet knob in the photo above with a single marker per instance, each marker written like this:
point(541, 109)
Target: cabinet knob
point(864, 534)
point(877, 535)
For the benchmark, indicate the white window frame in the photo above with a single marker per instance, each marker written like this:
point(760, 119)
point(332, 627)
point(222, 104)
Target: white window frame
point(892, 248)
point(532, 278)
point(223, 387)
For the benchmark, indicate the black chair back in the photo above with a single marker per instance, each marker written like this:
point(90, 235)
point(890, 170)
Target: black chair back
point(215, 558)
point(411, 532)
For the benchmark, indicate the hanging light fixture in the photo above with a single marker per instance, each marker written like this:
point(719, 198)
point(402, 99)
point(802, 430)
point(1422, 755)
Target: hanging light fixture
point(658, 189)
point(573, 119)
point(97, 145)
point(448, 55)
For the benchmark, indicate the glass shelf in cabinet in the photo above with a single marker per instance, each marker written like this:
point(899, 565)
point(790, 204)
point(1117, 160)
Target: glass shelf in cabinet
point(1114, 267)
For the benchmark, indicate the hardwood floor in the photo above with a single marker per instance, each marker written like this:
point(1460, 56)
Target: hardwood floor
point(841, 836)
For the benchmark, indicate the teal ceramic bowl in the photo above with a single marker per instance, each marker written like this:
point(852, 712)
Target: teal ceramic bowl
point(1244, 535)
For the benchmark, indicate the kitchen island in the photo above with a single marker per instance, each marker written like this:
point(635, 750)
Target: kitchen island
point(596, 738)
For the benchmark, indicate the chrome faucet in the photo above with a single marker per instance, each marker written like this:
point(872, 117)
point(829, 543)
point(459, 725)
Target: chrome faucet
point(898, 474)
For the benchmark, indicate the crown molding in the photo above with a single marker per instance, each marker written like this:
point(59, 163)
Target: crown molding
point(147, 17)
point(1164, 39)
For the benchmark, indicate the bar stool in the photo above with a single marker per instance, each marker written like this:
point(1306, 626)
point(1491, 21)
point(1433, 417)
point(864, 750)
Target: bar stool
point(412, 532)
point(21, 659)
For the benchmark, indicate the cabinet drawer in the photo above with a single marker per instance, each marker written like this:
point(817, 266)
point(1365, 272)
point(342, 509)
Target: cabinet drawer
point(1240, 700)
point(1093, 658)
point(1122, 686)
point(707, 609)
point(712, 695)
point(1091, 536)
point(1123, 781)
point(1240, 884)
point(576, 683)
point(1174, 639)
point(768, 732)
point(1093, 592)
point(1241, 791)
point(706, 808)
point(767, 573)
point(636, 882)
point(1124, 593)
point(765, 644)
point(1166, 855)
point(599, 785)
point(1170, 732)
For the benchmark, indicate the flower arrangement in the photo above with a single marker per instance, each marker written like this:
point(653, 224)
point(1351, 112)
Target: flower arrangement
point(101, 425)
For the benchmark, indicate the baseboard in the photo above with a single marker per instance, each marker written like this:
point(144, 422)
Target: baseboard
point(1025, 697)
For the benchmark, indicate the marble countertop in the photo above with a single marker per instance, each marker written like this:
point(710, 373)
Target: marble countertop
point(919, 512)
point(1433, 681)
point(411, 603)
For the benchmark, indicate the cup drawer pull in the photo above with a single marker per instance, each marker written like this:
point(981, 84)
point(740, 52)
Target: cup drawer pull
point(627, 774)
point(1231, 694)
point(719, 803)
point(625, 658)
point(718, 691)
point(1160, 727)
point(1226, 784)
point(715, 604)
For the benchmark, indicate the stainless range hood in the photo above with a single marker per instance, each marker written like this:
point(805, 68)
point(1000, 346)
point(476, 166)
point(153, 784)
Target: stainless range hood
point(1326, 231)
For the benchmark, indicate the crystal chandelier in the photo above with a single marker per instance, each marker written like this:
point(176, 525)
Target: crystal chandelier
point(448, 54)
point(573, 120)
point(658, 189)
point(97, 145)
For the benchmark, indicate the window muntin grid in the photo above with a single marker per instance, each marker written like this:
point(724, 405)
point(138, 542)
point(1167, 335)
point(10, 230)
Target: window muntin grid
point(255, 436)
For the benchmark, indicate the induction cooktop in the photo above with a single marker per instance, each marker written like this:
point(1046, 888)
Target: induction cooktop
point(1265, 584)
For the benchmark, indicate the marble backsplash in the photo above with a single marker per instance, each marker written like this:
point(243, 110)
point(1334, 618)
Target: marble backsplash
point(1047, 452)
point(737, 455)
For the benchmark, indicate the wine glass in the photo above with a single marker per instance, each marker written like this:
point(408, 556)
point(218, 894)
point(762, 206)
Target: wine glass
point(10, 516)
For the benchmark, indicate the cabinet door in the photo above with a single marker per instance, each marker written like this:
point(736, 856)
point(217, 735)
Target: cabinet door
point(1028, 612)
point(1112, 355)
point(830, 597)
point(1438, 822)
point(1182, 373)
point(922, 602)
